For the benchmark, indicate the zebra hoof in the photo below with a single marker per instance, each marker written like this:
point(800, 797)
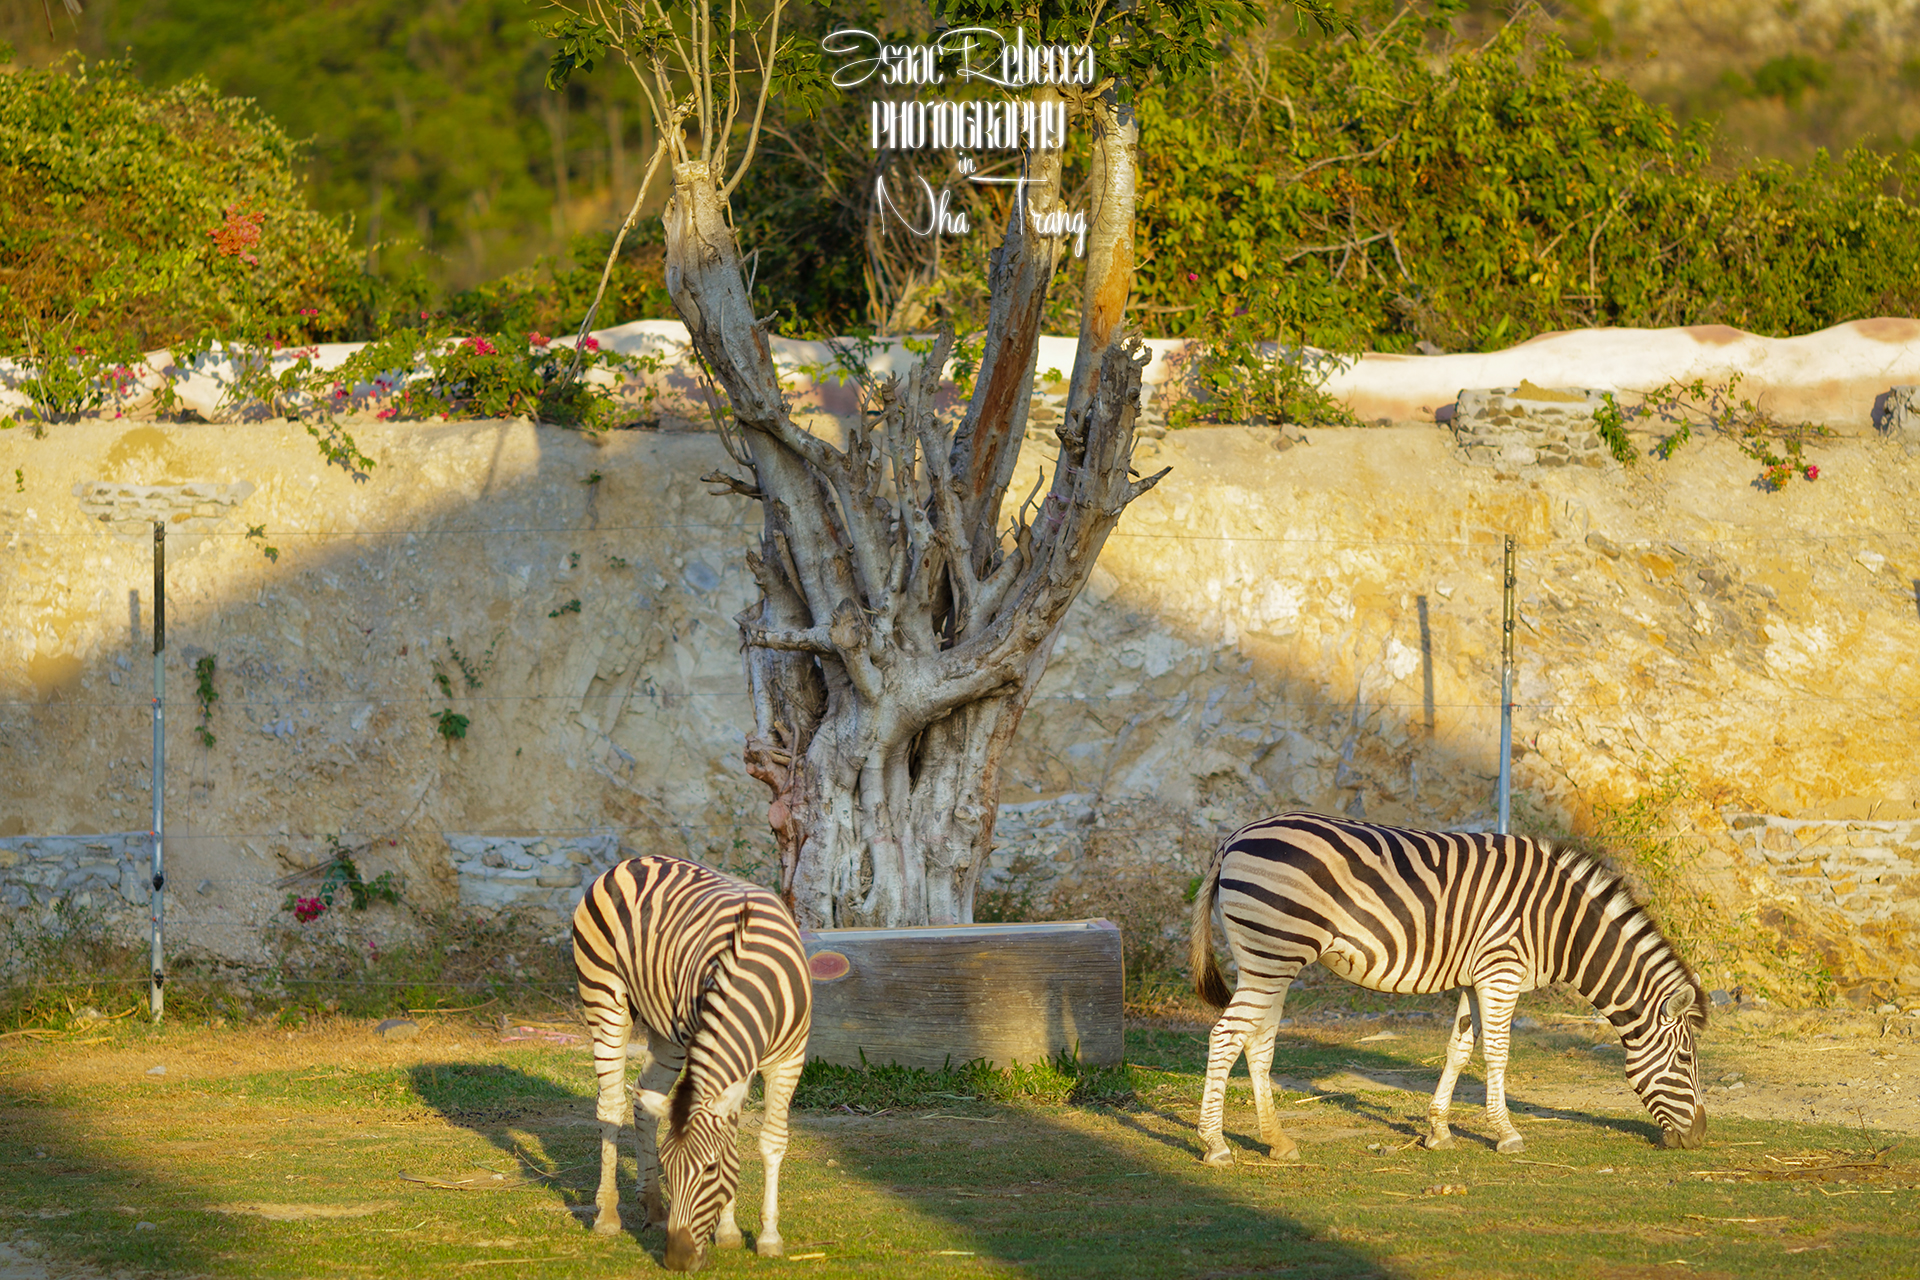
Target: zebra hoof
point(1219, 1157)
point(607, 1224)
point(1282, 1149)
point(1512, 1146)
point(729, 1239)
point(1439, 1142)
point(769, 1246)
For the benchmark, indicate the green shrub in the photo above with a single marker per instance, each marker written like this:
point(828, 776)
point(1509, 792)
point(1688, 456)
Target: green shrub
point(135, 218)
point(875, 1087)
point(552, 296)
point(1373, 192)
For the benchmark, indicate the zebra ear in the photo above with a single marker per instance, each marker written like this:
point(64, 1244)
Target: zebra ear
point(654, 1104)
point(1677, 1003)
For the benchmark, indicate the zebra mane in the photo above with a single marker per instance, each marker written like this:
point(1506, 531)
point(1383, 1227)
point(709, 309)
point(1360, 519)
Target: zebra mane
point(680, 1102)
point(1610, 886)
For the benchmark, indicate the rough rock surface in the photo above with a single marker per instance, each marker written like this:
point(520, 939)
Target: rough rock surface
point(1315, 628)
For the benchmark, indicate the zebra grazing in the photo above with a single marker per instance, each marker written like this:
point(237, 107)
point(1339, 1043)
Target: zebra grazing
point(712, 971)
point(1420, 911)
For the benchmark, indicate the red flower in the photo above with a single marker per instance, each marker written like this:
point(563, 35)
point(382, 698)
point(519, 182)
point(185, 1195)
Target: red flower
point(480, 346)
point(308, 909)
point(589, 343)
point(239, 234)
point(1192, 276)
point(538, 339)
point(1813, 472)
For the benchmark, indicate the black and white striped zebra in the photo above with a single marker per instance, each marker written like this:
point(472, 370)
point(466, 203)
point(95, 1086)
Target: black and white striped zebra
point(712, 972)
point(1423, 911)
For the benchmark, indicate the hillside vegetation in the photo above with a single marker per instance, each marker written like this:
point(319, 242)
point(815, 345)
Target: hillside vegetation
point(1388, 188)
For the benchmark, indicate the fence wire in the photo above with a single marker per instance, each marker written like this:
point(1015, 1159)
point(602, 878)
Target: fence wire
point(652, 700)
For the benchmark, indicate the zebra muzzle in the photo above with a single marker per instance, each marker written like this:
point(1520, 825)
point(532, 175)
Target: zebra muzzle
point(1696, 1132)
point(683, 1254)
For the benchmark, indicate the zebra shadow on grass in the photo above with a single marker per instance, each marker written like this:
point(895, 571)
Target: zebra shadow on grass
point(1350, 1092)
point(545, 1128)
point(1063, 1189)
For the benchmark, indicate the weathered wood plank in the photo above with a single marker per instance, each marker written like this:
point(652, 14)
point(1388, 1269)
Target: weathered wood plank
point(1004, 992)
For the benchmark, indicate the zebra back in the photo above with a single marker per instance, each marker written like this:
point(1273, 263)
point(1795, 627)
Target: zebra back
point(711, 963)
point(1416, 910)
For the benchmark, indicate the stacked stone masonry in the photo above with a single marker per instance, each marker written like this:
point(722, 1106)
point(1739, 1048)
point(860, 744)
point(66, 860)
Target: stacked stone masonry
point(541, 877)
point(1901, 416)
point(1047, 410)
point(1513, 427)
point(1868, 871)
point(103, 874)
point(131, 510)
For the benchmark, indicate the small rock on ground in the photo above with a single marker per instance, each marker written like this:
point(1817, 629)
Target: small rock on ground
point(398, 1029)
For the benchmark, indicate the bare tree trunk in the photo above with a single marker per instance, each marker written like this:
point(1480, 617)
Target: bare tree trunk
point(900, 632)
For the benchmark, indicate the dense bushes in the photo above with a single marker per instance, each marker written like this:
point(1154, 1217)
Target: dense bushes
point(1377, 190)
point(553, 296)
point(1363, 195)
point(133, 218)
point(1360, 192)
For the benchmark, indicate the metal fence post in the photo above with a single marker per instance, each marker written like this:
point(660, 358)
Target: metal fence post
point(1506, 693)
point(155, 899)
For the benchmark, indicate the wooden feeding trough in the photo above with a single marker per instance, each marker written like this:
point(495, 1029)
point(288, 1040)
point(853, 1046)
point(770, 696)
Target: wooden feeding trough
point(945, 994)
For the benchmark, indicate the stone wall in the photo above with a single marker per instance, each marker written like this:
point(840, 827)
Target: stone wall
point(1312, 627)
point(1860, 871)
point(544, 878)
point(103, 874)
point(1525, 426)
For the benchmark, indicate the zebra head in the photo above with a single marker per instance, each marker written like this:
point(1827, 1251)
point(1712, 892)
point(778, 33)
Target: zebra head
point(1662, 1067)
point(701, 1161)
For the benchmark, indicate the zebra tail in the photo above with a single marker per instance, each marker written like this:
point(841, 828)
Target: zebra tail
point(1208, 982)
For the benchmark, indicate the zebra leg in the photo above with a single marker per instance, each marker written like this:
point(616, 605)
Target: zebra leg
point(1260, 1067)
point(1496, 1009)
point(726, 1232)
point(1459, 1052)
point(780, 1081)
point(611, 1028)
point(1247, 1011)
point(661, 1068)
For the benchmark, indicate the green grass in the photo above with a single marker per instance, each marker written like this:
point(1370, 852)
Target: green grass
point(260, 1156)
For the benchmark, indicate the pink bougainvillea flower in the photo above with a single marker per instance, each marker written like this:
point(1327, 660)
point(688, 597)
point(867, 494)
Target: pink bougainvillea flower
point(538, 339)
point(1813, 472)
point(479, 346)
point(1192, 277)
point(589, 343)
point(308, 909)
